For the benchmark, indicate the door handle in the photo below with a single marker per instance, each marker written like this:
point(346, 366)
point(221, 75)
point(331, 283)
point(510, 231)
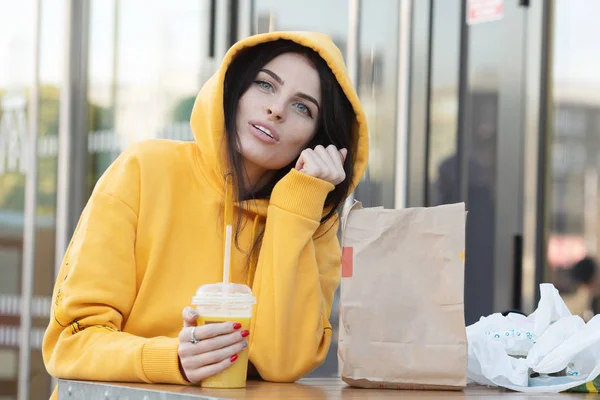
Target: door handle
point(517, 271)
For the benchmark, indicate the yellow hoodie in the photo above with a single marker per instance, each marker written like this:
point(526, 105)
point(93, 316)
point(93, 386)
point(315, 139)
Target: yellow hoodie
point(152, 233)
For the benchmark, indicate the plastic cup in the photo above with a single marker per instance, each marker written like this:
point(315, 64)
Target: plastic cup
point(226, 302)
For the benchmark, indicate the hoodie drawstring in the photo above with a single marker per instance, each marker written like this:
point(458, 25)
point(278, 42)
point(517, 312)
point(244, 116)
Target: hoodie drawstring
point(229, 221)
point(228, 200)
point(254, 255)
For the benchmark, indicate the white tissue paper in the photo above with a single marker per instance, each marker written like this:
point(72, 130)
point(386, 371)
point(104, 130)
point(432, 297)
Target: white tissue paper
point(549, 351)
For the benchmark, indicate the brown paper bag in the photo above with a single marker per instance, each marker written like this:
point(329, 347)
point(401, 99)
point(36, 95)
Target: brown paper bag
point(402, 322)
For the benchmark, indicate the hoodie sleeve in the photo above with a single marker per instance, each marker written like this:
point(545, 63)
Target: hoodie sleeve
point(96, 288)
point(297, 274)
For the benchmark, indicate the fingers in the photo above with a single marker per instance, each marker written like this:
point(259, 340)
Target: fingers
point(344, 153)
point(309, 163)
point(187, 348)
point(333, 159)
point(301, 161)
point(217, 348)
point(325, 156)
point(212, 357)
point(323, 163)
point(198, 375)
point(189, 317)
point(208, 331)
point(337, 158)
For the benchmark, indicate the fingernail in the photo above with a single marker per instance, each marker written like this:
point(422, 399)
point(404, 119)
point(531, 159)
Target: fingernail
point(192, 314)
point(233, 358)
point(244, 344)
point(245, 333)
point(237, 326)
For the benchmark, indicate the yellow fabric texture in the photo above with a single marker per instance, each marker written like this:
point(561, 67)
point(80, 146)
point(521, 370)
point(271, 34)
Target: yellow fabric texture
point(153, 232)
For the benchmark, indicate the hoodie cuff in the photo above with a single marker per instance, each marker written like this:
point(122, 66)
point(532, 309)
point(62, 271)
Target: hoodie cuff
point(301, 194)
point(160, 361)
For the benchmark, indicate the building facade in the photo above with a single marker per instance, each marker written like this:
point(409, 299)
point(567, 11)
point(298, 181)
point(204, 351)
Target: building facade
point(493, 103)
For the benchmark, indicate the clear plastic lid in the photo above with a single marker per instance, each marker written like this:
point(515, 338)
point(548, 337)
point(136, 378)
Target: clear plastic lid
point(219, 293)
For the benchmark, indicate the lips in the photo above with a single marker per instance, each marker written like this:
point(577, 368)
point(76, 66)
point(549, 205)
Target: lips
point(266, 129)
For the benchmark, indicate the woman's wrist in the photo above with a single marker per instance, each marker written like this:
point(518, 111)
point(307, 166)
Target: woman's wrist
point(181, 370)
point(301, 194)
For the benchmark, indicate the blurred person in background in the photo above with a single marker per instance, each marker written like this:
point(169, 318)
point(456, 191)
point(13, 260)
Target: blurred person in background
point(583, 275)
point(280, 142)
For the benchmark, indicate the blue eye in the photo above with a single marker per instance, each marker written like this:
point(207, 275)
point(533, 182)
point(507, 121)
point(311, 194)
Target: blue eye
point(264, 85)
point(302, 108)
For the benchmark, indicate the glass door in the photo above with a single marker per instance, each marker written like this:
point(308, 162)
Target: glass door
point(31, 44)
point(272, 16)
point(572, 212)
point(17, 69)
point(476, 134)
point(51, 73)
point(147, 61)
point(368, 37)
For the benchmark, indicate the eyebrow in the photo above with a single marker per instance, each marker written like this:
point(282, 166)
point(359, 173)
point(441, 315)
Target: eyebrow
point(281, 82)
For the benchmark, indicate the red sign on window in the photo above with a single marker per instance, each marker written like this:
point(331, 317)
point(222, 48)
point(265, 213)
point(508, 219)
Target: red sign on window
point(479, 11)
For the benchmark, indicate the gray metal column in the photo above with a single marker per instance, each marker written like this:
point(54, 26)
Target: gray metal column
point(509, 147)
point(536, 114)
point(353, 44)
point(418, 118)
point(245, 9)
point(403, 110)
point(221, 30)
point(353, 53)
point(71, 193)
point(30, 217)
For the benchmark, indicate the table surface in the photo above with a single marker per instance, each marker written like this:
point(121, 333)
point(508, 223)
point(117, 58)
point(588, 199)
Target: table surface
point(328, 388)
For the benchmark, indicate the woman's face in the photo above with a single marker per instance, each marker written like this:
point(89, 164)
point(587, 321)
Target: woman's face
point(277, 116)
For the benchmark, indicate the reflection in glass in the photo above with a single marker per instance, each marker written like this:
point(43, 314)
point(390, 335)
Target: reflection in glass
point(273, 15)
point(485, 65)
point(377, 89)
point(52, 22)
point(17, 46)
point(574, 203)
point(145, 68)
point(479, 139)
point(443, 124)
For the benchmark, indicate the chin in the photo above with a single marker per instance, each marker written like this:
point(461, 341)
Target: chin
point(262, 156)
point(262, 162)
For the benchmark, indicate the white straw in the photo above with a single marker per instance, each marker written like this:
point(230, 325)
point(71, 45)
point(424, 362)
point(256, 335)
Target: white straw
point(227, 265)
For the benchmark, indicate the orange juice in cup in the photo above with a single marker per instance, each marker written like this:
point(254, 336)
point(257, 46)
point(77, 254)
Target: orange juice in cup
point(226, 302)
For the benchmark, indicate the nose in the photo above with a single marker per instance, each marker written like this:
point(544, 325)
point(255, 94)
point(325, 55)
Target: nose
point(275, 112)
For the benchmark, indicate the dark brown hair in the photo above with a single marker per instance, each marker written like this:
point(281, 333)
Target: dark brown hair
point(334, 126)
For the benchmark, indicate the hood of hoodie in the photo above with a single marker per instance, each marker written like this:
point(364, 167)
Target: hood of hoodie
point(208, 121)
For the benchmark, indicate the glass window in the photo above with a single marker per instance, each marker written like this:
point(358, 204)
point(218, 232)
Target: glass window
point(377, 89)
point(467, 157)
point(573, 208)
point(146, 66)
point(271, 15)
point(17, 46)
point(51, 67)
point(443, 168)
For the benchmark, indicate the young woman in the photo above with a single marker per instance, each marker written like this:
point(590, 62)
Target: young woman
point(280, 142)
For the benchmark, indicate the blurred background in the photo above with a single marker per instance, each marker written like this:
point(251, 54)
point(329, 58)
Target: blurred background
point(495, 103)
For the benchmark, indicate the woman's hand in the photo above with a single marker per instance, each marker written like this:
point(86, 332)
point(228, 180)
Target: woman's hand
point(216, 348)
point(323, 163)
